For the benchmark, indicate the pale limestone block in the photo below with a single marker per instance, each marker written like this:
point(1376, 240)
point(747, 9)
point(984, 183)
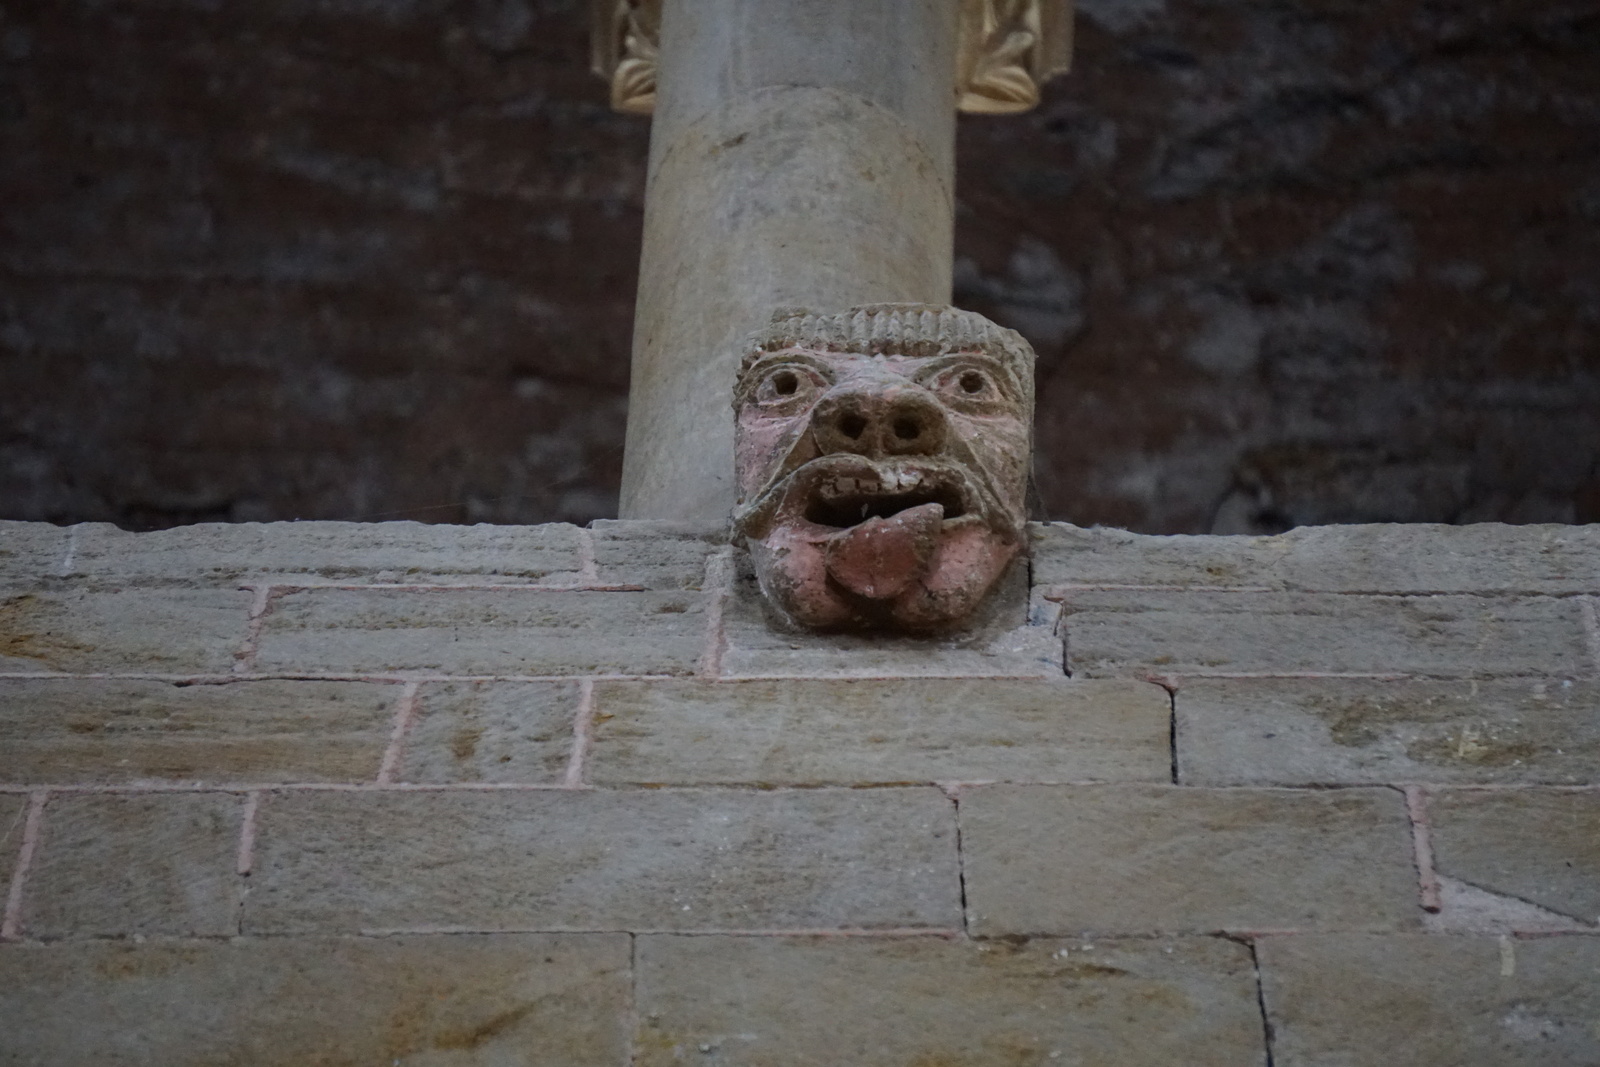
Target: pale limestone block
point(502, 632)
point(321, 552)
point(71, 730)
point(1540, 845)
point(1375, 558)
point(648, 860)
point(167, 631)
point(870, 1002)
point(13, 821)
point(1148, 859)
point(121, 865)
point(807, 731)
point(1431, 558)
point(1275, 731)
point(1064, 554)
point(30, 552)
point(1381, 1001)
point(491, 732)
point(656, 555)
point(540, 1000)
point(1180, 633)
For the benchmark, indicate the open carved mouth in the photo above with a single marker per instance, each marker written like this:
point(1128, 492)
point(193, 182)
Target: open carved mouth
point(848, 499)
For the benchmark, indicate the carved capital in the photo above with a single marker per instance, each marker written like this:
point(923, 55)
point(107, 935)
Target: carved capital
point(1007, 50)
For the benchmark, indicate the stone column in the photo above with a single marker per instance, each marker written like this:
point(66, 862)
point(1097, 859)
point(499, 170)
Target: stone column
point(801, 154)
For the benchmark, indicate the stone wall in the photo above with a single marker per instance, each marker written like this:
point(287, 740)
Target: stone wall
point(403, 793)
point(1285, 263)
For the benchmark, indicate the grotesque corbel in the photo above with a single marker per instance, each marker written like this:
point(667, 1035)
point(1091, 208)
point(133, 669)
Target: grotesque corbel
point(882, 458)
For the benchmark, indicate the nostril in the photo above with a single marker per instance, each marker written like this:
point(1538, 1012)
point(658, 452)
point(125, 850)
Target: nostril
point(907, 429)
point(852, 426)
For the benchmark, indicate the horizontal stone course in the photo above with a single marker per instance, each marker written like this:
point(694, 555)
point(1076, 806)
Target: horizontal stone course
point(168, 631)
point(1207, 632)
point(361, 553)
point(814, 731)
point(95, 731)
point(1275, 731)
point(29, 552)
point(869, 1002)
point(1376, 558)
point(541, 1000)
point(483, 632)
point(1147, 859)
point(134, 865)
point(1537, 845)
point(491, 732)
point(656, 555)
point(1369, 1001)
point(678, 860)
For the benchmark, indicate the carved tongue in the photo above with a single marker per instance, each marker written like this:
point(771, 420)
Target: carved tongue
point(879, 558)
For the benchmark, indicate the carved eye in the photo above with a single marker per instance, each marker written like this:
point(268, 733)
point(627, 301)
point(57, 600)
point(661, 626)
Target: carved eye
point(786, 385)
point(968, 384)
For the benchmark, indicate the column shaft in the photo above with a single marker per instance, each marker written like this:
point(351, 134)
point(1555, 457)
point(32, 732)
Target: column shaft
point(801, 154)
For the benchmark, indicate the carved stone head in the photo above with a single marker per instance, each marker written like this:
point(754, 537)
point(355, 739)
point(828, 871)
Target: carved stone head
point(882, 458)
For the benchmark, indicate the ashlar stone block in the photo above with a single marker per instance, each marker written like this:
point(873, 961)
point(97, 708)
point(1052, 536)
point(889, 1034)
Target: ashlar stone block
point(541, 1000)
point(1145, 859)
point(168, 631)
point(483, 632)
point(320, 552)
point(1276, 731)
point(1186, 633)
point(491, 732)
point(872, 1002)
point(647, 860)
point(29, 552)
point(136, 864)
point(1538, 845)
point(73, 730)
point(834, 731)
point(1378, 1001)
point(656, 555)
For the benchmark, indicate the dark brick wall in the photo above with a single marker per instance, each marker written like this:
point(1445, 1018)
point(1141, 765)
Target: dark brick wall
point(1285, 261)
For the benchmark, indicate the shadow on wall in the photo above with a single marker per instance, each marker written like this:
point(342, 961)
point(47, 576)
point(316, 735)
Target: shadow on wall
point(1284, 264)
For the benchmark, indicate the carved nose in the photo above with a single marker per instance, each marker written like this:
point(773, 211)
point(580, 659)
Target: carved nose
point(898, 421)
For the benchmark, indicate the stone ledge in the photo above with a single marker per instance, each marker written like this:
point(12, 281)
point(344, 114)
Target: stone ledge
point(1375, 558)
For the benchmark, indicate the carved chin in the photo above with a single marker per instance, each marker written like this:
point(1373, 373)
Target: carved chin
point(911, 570)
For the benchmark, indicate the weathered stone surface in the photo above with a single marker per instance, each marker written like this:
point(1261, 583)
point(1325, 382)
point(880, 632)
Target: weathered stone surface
point(1275, 731)
point(801, 731)
point(685, 860)
point(13, 816)
point(170, 631)
point(1539, 845)
point(357, 553)
point(73, 730)
point(1376, 558)
point(1000, 643)
point(145, 863)
point(1138, 859)
point(30, 551)
point(656, 555)
point(544, 1000)
point(483, 632)
point(880, 1003)
point(491, 732)
point(1366, 1001)
point(1128, 632)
